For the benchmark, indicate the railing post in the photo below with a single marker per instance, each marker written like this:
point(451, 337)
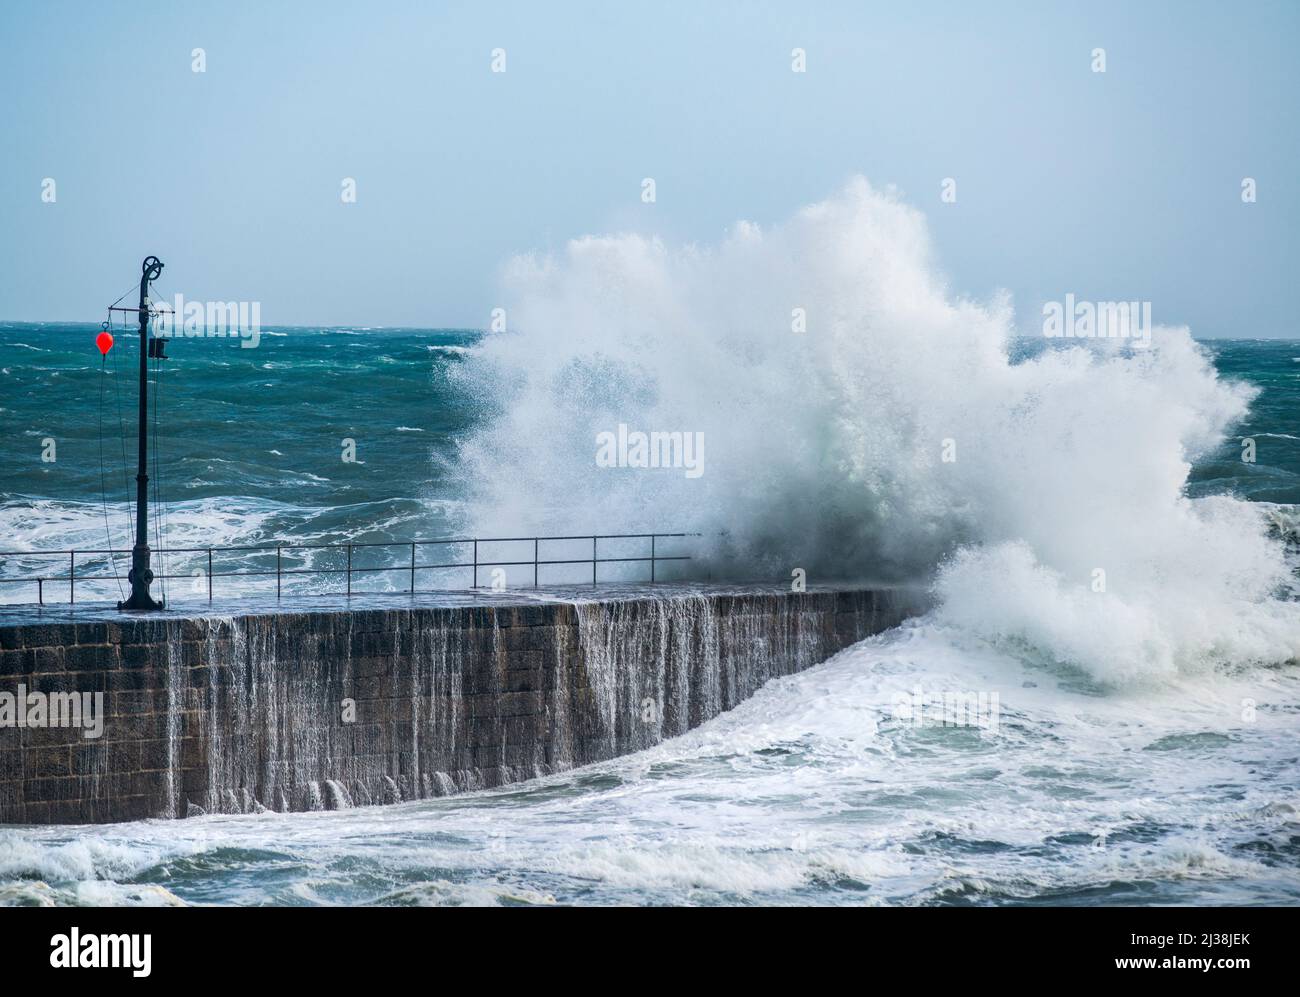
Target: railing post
point(278, 572)
point(412, 567)
point(652, 558)
point(349, 570)
point(475, 585)
point(40, 591)
point(593, 560)
point(209, 574)
point(535, 542)
point(72, 577)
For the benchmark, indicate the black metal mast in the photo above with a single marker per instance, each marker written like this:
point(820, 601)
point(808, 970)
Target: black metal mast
point(141, 575)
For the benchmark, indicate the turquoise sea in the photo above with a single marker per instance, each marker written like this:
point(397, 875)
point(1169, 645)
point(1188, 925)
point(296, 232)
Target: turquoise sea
point(1125, 769)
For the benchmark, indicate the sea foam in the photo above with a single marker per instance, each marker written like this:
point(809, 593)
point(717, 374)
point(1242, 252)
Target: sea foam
point(1059, 521)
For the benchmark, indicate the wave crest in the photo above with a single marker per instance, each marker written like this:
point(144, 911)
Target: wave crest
point(826, 449)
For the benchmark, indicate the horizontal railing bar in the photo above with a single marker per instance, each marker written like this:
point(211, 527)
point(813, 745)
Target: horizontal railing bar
point(124, 552)
point(355, 570)
point(188, 554)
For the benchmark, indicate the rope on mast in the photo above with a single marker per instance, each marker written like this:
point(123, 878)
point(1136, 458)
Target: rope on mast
point(121, 432)
point(103, 489)
point(159, 512)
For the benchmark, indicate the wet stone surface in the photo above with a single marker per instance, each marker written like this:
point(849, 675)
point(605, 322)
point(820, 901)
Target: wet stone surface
point(326, 703)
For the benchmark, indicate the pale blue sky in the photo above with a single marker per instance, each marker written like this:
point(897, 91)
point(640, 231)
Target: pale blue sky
point(1117, 185)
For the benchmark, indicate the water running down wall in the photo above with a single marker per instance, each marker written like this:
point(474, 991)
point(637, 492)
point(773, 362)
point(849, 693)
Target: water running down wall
point(327, 709)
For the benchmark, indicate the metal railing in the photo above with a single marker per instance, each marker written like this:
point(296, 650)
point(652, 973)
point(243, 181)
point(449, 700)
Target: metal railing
point(410, 569)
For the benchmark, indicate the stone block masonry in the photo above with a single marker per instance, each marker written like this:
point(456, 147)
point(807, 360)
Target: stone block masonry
point(380, 702)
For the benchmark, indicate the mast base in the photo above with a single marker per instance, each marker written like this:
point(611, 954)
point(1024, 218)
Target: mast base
point(141, 601)
point(140, 578)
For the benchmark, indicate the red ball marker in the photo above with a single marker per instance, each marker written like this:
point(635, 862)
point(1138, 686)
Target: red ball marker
point(104, 341)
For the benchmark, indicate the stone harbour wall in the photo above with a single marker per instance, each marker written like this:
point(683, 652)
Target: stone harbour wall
point(309, 710)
